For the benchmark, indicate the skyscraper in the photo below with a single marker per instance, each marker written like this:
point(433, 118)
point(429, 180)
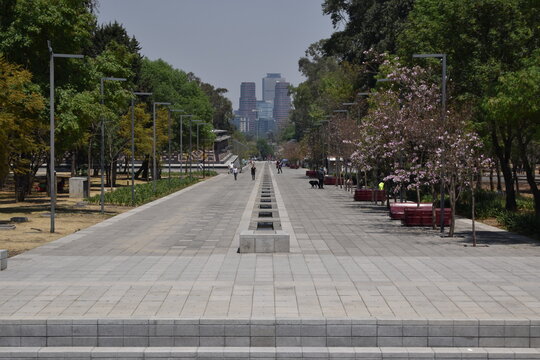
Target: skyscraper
point(248, 103)
point(265, 112)
point(269, 84)
point(282, 104)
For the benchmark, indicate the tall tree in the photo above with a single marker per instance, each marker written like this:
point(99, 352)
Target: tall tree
point(515, 108)
point(366, 24)
point(22, 134)
point(28, 24)
point(105, 34)
point(483, 40)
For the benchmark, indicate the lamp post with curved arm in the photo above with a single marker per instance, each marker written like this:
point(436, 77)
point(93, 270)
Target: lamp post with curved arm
point(52, 186)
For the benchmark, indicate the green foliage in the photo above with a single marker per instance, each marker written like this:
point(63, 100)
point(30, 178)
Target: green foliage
point(482, 39)
point(328, 85)
point(22, 130)
point(487, 204)
point(367, 24)
point(26, 25)
point(144, 193)
point(526, 223)
point(264, 148)
point(222, 106)
point(104, 35)
point(175, 86)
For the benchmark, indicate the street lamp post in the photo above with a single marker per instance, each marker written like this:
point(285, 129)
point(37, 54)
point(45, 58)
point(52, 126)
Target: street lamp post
point(135, 93)
point(198, 123)
point(190, 144)
point(181, 140)
point(102, 150)
point(154, 162)
point(337, 149)
point(443, 121)
point(52, 186)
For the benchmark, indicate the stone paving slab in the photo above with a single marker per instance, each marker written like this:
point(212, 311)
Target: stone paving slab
point(177, 258)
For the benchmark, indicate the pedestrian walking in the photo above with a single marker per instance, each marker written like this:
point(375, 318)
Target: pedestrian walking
point(253, 169)
point(279, 167)
point(235, 172)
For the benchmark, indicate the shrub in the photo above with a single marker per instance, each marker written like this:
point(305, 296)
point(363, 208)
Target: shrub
point(144, 192)
point(523, 223)
point(487, 204)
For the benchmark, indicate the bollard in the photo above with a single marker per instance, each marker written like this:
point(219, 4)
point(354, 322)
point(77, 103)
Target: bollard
point(3, 259)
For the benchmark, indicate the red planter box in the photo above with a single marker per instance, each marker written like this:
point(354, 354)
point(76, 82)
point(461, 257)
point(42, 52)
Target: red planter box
point(422, 217)
point(311, 173)
point(369, 195)
point(332, 180)
point(397, 210)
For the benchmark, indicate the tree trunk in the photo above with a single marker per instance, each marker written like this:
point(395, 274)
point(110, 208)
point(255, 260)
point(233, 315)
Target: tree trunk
point(473, 205)
point(504, 154)
point(530, 174)
point(452, 208)
point(21, 186)
point(479, 180)
point(89, 165)
point(433, 206)
point(143, 169)
point(73, 163)
point(114, 171)
point(491, 184)
point(516, 180)
point(509, 187)
point(499, 182)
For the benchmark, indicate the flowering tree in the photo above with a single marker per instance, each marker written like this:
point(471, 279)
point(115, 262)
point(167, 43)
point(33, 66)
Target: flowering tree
point(403, 133)
point(460, 159)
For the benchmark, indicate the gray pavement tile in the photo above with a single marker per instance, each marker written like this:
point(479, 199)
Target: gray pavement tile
point(176, 258)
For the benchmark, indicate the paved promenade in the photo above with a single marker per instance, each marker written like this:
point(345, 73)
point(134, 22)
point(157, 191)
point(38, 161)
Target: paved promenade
point(177, 258)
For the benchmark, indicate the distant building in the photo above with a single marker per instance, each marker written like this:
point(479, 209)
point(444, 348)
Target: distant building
point(265, 112)
point(282, 105)
point(248, 103)
point(240, 122)
point(269, 85)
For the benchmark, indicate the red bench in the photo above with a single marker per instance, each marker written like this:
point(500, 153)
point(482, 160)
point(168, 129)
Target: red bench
point(422, 217)
point(397, 210)
point(311, 173)
point(369, 195)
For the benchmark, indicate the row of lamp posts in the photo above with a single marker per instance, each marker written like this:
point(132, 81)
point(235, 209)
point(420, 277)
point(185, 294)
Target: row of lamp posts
point(52, 187)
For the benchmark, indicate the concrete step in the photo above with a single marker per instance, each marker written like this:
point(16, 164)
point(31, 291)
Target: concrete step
point(271, 332)
point(343, 353)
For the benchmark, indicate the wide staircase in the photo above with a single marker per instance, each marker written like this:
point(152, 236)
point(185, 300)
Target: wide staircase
point(268, 339)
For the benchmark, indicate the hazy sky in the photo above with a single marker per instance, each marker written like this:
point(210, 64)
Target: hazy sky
point(223, 42)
